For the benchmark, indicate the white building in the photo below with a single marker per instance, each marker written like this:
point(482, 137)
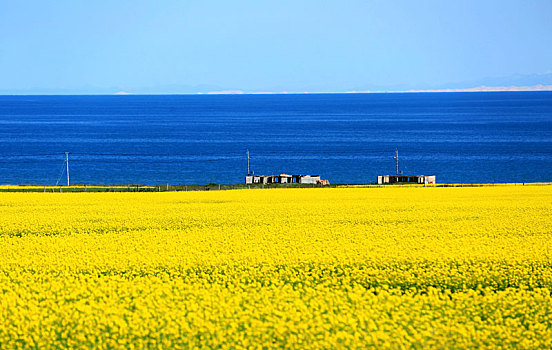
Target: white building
point(282, 179)
point(416, 179)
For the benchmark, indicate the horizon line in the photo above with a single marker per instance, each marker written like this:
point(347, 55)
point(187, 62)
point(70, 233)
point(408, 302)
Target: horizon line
point(482, 88)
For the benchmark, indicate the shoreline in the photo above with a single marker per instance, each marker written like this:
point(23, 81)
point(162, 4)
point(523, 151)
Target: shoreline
point(483, 88)
point(225, 187)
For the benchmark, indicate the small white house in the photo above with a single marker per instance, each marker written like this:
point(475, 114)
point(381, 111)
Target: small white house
point(309, 179)
point(282, 179)
point(416, 179)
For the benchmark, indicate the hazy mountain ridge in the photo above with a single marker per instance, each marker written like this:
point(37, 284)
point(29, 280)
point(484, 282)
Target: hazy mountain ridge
point(517, 82)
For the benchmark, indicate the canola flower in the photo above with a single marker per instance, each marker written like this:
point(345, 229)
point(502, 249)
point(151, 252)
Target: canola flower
point(389, 267)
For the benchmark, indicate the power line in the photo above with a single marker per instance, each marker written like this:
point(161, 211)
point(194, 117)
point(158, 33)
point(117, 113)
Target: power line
point(234, 153)
point(61, 173)
point(29, 155)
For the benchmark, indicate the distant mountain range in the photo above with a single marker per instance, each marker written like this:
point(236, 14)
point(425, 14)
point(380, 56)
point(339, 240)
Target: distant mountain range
point(476, 89)
point(518, 82)
point(513, 80)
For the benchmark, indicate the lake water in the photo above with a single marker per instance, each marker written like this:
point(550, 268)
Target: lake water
point(346, 138)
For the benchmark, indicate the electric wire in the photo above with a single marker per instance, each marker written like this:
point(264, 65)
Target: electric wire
point(61, 174)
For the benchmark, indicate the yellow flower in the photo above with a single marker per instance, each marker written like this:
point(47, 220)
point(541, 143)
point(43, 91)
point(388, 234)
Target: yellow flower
point(390, 267)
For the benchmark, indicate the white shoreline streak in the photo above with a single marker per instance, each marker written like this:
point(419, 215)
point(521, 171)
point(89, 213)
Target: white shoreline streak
point(226, 92)
point(482, 88)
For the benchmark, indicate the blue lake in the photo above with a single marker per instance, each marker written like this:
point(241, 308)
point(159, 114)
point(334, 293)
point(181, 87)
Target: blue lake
point(346, 138)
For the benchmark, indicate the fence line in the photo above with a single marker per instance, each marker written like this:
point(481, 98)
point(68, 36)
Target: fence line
point(221, 187)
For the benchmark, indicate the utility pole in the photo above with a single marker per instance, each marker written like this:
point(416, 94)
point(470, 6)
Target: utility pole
point(248, 171)
point(67, 164)
point(396, 157)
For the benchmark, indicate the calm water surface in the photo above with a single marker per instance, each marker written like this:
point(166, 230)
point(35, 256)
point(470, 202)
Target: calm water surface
point(346, 138)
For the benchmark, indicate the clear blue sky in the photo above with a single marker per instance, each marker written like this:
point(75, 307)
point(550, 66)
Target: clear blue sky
point(171, 46)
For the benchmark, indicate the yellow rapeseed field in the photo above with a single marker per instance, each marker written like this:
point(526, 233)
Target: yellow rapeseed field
point(387, 267)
